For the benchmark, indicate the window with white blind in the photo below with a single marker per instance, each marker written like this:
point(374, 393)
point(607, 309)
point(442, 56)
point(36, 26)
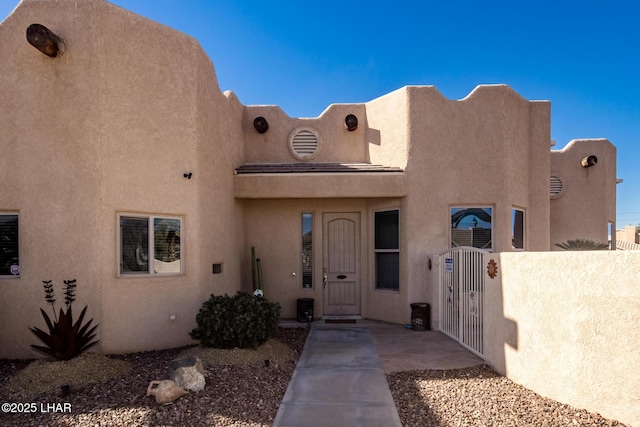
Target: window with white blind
point(150, 245)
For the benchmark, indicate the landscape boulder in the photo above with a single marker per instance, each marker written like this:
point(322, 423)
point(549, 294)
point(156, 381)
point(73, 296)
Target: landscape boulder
point(188, 373)
point(165, 391)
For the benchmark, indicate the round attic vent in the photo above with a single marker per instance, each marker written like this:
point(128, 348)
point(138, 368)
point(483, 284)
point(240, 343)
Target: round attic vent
point(556, 187)
point(304, 144)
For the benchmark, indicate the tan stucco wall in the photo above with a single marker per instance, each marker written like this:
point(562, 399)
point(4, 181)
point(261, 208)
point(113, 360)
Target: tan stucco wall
point(588, 204)
point(483, 150)
point(476, 151)
point(628, 234)
point(336, 143)
point(564, 324)
point(111, 127)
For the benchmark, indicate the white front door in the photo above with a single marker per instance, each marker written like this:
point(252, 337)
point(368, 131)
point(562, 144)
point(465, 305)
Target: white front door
point(341, 263)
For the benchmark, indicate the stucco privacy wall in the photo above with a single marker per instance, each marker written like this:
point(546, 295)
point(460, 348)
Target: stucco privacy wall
point(565, 325)
point(587, 203)
point(111, 127)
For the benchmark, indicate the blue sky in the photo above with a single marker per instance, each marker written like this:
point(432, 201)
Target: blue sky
point(303, 56)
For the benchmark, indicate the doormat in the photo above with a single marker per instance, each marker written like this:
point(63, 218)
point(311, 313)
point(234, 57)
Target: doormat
point(340, 321)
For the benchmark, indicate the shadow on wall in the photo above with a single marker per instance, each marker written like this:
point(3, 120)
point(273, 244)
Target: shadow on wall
point(500, 331)
point(559, 323)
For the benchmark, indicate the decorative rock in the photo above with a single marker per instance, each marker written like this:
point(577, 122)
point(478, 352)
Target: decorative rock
point(165, 391)
point(188, 373)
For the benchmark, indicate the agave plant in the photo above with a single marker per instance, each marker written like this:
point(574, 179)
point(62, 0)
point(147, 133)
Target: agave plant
point(65, 339)
point(582, 245)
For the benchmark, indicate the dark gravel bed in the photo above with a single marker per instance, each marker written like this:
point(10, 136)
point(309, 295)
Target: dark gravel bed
point(235, 394)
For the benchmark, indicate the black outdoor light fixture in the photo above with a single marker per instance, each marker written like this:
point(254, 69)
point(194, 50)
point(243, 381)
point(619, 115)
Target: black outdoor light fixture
point(261, 124)
point(188, 175)
point(351, 122)
point(45, 40)
point(589, 161)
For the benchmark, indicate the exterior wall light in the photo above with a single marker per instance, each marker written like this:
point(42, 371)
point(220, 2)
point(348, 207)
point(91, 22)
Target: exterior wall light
point(261, 124)
point(589, 161)
point(188, 175)
point(351, 122)
point(45, 40)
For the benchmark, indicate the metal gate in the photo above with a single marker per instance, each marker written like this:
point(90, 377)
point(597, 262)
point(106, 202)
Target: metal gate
point(461, 296)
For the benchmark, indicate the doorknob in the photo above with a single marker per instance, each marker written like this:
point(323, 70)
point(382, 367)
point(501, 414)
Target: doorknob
point(325, 279)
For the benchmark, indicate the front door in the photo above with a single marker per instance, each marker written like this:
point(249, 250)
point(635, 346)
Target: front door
point(341, 263)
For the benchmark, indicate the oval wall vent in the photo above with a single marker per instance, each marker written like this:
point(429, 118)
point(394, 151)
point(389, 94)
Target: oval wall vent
point(556, 186)
point(304, 144)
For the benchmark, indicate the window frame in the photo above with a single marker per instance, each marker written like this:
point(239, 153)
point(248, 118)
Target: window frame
point(306, 257)
point(472, 206)
point(513, 229)
point(151, 270)
point(377, 251)
point(19, 272)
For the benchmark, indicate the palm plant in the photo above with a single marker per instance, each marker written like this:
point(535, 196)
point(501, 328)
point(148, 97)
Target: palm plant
point(582, 245)
point(65, 339)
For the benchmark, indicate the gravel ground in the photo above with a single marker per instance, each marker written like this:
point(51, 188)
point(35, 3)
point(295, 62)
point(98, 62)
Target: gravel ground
point(242, 391)
point(476, 397)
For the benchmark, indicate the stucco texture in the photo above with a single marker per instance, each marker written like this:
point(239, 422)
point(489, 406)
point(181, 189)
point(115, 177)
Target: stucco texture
point(112, 126)
point(564, 324)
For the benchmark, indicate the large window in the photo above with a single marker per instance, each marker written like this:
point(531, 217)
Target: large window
point(307, 250)
point(9, 255)
point(517, 229)
point(150, 245)
point(387, 250)
point(472, 226)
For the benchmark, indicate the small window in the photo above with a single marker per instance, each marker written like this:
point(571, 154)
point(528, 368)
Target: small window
point(472, 226)
point(387, 250)
point(9, 255)
point(307, 250)
point(150, 245)
point(517, 229)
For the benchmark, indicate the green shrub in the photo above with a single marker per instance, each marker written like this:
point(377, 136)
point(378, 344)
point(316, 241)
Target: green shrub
point(243, 321)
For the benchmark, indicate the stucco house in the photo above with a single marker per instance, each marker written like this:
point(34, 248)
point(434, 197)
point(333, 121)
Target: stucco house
point(125, 167)
point(627, 238)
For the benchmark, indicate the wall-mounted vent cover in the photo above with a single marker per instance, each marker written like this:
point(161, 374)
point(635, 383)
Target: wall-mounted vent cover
point(304, 144)
point(556, 187)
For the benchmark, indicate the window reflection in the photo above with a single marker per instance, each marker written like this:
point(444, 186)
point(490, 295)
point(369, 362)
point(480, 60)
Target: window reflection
point(471, 226)
point(307, 250)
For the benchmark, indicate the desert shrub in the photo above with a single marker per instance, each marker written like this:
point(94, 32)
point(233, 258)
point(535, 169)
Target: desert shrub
point(66, 339)
point(582, 245)
point(242, 320)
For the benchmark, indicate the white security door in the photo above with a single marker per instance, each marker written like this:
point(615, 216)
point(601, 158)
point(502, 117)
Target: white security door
point(462, 296)
point(341, 269)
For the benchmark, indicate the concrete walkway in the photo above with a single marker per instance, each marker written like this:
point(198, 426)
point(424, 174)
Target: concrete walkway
point(340, 377)
point(339, 381)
